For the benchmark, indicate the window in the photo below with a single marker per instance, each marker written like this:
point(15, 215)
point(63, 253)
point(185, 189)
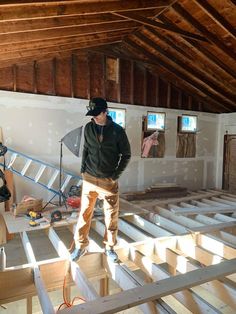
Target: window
point(153, 137)
point(117, 115)
point(155, 121)
point(187, 124)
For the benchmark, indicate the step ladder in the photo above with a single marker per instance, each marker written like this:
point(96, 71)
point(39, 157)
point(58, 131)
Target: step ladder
point(44, 174)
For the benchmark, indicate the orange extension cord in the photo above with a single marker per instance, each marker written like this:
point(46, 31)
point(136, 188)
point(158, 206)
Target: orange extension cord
point(67, 303)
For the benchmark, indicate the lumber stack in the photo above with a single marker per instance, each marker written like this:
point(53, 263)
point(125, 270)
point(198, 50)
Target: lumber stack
point(157, 191)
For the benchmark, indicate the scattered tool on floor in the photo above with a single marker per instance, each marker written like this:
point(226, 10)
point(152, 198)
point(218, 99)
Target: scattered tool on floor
point(33, 217)
point(56, 215)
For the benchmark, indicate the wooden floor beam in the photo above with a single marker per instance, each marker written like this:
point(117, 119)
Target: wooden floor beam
point(153, 291)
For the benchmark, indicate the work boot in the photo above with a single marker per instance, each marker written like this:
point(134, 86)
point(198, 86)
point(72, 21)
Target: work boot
point(77, 254)
point(111, 254)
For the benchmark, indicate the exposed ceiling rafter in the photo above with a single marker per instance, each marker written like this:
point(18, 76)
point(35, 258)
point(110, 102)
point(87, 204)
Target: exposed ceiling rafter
point(191, 71)
point(198, 26)
point(218, 18)
point(205, 52)
point(226, 106)
point(154, 24)
point(34, 9)
point(193, 41)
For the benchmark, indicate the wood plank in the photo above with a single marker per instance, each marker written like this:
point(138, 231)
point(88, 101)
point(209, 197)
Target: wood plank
point(153, 291)
point(59, 53)
point(39, 10)
point(132, 232)
point(203, 52)
point(122, 277)
point(213, 227)
point(216, 288)
point(182, 301)
point(155, 24)
point(203, 30)
point(29, 36)
point(77, 274)
point(2, 230)
point(216, 16)
point(207, 210)
point(44, 299)
point(193, 73)
point(188, 79)
point(182, 264)
point(154, 229)
point(201, 220)
point(216, 246)
point(17, 282)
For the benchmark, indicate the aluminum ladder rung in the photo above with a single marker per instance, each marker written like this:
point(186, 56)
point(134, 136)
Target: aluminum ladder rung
point(20, 164)
point(39, 173)
point(26, 166)
point(66, 182)
point(12, 160)
point(53, 179)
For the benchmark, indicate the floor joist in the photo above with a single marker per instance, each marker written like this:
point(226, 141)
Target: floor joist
point(168, 262)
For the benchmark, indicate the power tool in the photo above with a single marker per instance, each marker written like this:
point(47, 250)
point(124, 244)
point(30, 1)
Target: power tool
point(33, 217)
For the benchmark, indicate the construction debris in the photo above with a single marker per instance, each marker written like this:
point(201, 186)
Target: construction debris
point(158, 191)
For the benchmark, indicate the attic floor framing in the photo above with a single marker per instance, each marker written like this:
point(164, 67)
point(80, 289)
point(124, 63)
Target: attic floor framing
point(176, 256)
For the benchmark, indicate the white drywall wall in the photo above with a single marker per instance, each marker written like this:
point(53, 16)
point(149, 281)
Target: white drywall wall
point(34, 125)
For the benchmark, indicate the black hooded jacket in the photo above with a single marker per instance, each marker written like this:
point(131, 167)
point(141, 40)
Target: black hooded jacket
point(106, 158)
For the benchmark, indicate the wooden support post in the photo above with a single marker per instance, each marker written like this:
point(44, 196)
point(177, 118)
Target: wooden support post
point(29, 305)
point(104, 287)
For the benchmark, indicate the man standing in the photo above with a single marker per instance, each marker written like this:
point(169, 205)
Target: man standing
point(105, 155)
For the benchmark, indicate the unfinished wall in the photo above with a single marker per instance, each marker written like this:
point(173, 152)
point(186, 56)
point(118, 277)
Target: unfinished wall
point(227, 125)
point(34, 125)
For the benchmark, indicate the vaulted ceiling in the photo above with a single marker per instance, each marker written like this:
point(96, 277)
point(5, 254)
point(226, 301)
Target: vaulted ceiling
point(191, 43)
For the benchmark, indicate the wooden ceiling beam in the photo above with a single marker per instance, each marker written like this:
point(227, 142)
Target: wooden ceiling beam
point(55, 42)
point(55, 22)
point(169, 42)
point(34, 9)
point(204, 52)
point(223, 84)
point(65, 31)
point(151, 23)
point(182, 76)
point(216, 16)
point(40, 23)
point(191, 71)
point(54, 53)
point(198, 26)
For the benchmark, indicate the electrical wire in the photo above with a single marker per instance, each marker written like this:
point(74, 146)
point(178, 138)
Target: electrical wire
point(67, 303)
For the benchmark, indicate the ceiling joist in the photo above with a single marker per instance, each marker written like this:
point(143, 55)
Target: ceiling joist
point(191, 72)
point(219, 19)
point(202, 29)
point(189, 43)
point(154, 24)
point(179, 74)
point(204, 52)
point(34, 9)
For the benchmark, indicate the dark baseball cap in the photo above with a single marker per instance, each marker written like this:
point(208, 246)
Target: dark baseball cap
point(96, 106)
